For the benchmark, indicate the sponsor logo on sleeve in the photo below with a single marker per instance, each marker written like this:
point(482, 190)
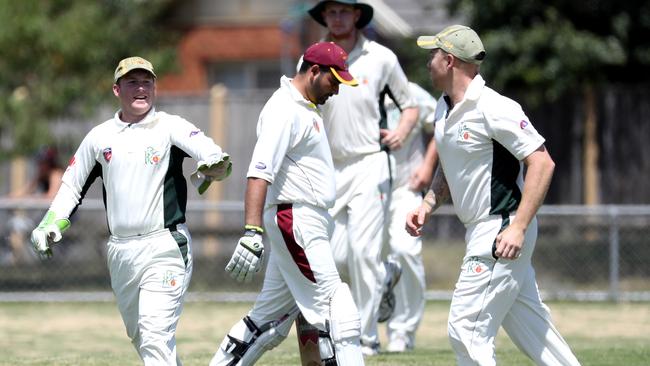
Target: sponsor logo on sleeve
point(260, 165)
point(316, 125)
point(194, 133)
point(108, 154)
point(151, 156)
point(523, 124)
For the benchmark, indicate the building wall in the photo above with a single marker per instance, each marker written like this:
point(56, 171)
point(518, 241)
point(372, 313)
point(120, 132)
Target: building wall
point(203, 45)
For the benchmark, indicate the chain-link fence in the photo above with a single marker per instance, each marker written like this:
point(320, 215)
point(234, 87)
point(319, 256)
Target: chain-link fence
point(592, 253)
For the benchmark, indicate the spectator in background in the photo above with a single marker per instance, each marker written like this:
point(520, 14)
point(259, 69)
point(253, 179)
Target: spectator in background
point(47, 178)
point(359, 139)
point(44, 184)
point(412, 168)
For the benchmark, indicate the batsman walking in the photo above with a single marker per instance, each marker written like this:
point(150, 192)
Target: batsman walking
point(290, 187)
point(484, 141)
point(138, 154)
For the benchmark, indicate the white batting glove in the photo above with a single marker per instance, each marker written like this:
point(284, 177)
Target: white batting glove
point(248, 256)
point(47, 233)
point(208, 173)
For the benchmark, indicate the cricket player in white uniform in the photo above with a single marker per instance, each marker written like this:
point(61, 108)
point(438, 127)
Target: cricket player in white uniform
point(484, 140)
point(138, 154)
point(356, 125)
point(290, 188)
point(412, 168)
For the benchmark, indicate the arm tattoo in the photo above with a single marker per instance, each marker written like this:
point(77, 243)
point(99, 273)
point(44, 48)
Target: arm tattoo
point(439, 191)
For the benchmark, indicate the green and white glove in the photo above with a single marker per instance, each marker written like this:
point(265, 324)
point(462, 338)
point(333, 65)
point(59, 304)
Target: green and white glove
point(248, 256)
point(208, 173)
point(47, 233)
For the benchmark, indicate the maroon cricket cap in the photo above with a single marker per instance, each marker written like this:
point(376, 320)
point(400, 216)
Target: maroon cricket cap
point(331, 55)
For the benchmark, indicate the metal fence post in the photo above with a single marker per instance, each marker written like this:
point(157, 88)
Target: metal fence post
point(614, 255)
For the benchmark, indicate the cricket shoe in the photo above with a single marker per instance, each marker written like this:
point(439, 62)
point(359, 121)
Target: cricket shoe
point(371, 349)
point(399, 342)
point(387, 304)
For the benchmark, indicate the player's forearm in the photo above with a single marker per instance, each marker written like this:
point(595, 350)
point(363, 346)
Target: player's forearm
point(539, 173)
point(439, 191)
point(431, 155)
point(254, 202)
point(407, 121)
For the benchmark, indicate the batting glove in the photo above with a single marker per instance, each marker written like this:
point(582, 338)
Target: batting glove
point(248, 256)
point(47, 233)
point(208, 173)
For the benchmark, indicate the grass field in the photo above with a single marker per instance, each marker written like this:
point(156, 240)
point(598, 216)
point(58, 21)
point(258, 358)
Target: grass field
point(92, 334)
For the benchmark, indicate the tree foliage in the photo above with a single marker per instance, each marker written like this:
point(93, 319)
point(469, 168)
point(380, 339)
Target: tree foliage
point(546, 49)
point(59, 55)
point(550, 48)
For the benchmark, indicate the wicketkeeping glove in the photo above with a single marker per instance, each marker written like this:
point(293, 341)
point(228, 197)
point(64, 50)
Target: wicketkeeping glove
point(47, 233)
point(208, 173)
point(248, 256)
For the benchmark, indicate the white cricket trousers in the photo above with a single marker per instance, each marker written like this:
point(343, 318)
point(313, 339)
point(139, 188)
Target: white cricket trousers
point(407, 249)
point(359, 213)
point(492, 293)
point(149, 276)
point(301, 269)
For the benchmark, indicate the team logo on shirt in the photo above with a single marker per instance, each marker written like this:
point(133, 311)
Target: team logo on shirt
point(463, 132)
point(523, 124)
point(151, 156)
point(108, 154)
point(316, 125)
point(169, 279)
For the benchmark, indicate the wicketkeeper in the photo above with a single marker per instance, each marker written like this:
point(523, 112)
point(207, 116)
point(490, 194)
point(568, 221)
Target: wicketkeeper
point(138, 154)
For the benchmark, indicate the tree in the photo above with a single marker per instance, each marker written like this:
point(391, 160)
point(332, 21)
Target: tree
point(58, 57)
point(545, 50)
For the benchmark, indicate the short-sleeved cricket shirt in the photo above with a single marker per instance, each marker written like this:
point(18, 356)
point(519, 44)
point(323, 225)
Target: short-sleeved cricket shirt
point(353, 117)
point(292, 151)
point(481, 142)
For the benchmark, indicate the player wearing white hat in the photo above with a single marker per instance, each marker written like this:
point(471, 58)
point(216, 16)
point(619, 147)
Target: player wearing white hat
point(356, 125)
point(484, 140)
point(138, 154)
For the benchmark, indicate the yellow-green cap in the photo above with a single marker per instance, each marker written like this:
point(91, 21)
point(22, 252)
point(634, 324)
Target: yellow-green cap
point(459, 40)
point(130, 64)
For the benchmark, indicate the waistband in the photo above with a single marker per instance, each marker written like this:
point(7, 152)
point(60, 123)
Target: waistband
point(153, 234)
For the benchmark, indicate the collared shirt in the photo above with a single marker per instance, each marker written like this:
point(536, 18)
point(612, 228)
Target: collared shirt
point(352, 118)
point(292, 151)
point(481, 142)
point(141, 168)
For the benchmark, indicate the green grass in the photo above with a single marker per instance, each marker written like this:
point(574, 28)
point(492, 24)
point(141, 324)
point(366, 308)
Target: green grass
point(92, 334)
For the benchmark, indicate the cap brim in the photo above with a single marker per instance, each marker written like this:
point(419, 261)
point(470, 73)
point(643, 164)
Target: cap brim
point(428, 42)
point(344, 77)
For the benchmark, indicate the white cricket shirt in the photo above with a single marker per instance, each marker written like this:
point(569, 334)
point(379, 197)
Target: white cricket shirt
point(352, 118)
point(141, 168)
point(411, 155)
point(292, 151)
point(481, 143)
